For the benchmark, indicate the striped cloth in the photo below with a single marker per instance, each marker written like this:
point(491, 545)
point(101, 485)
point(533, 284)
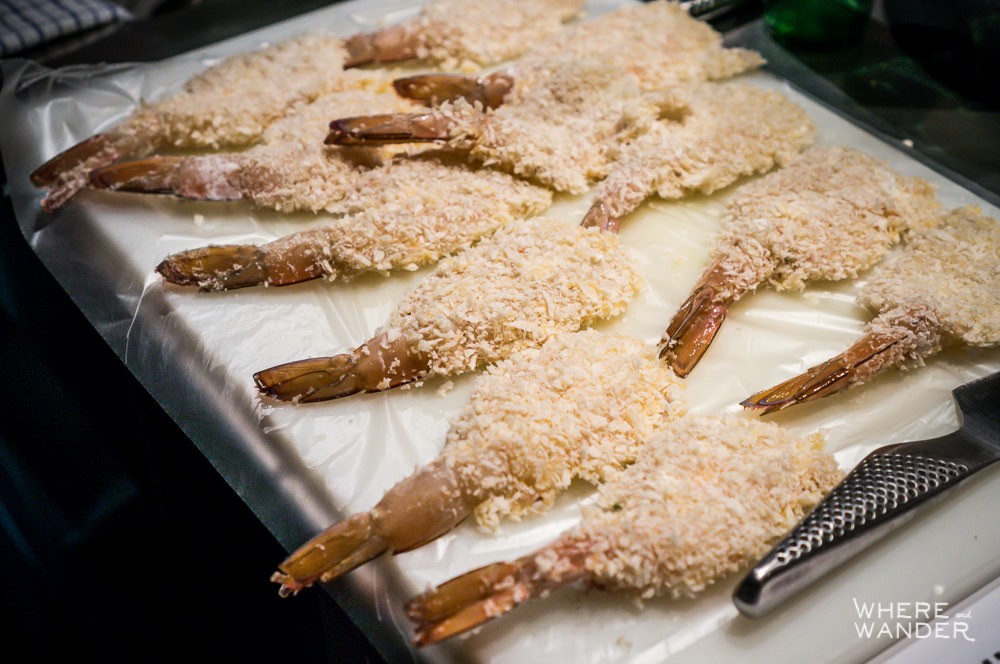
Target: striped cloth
point(27, 23)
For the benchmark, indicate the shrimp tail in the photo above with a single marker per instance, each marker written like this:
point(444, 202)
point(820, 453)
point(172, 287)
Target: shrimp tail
point(379, 364)
point(418, 510)
point(432, 89)
point(205, 178)
point(55, 168)
point(66, 173)
point(599, 216)
point(392, 44)
point(830, 377)
point(389, 128)
point(481, 595)
point(150, 176)
point(214, 268)
point(333, 552)
point(694, 326)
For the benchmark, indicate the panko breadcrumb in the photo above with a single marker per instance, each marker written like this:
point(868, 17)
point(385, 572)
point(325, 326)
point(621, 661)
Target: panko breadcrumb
point(707, 496)
point(581, 406)
point(830, 214)
point(233, 102)
point(290, 168)
point(711, 135)
point(659, 43)
point(461, 33)
point(944, 285)
point(527, 282)
point(228, 105)
point(942, 288)
point(561, 132)
point(408, 214)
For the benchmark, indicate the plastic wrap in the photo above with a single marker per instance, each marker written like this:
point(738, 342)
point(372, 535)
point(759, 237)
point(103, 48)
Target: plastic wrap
point(300, 467)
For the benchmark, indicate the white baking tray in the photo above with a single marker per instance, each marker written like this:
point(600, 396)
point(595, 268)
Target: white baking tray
point(300, 467)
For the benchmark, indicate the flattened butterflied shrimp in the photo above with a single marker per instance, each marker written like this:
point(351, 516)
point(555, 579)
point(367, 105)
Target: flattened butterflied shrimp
point(830, 214)
point(231, 103)
point(657, 42)
point(529, 281)
point(581, 406)
point(943, 289)
point(465, 32)
point(228, 105)
point(559, 134)
point(290, 168)
point(404, 215)
point(710, 136)
point(705, 497)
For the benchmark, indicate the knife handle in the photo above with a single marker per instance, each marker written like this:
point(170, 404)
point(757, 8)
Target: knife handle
point(879, 495)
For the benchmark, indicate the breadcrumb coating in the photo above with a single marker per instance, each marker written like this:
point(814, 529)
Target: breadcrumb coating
point(830, 214)
point(485, 32)
point(706, 496)
point(228, 105)
point(408, 214)
point(232, 103)
point(659, 43)
point(585, 404)
point(710, 136)
point(561, 132)
point(529, 281)
point(290, 169)
point(949, 275)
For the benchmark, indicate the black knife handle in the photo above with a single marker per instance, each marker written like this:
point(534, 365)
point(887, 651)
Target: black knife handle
point(879, 495)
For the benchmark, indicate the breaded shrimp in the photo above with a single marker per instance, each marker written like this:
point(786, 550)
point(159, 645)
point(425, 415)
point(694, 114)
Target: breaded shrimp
point(830, 214)
point(289, 169)
point(942, 289)
point(529, 281)
point(465, 32)
point(409, 213)
point(710, 135)
point(657, 42)
point(581, 406)
point(560, 134)
point(228, 105)
point(705, 497)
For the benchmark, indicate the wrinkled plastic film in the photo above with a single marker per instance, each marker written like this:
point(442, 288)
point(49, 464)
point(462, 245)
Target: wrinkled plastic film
point(299, 468)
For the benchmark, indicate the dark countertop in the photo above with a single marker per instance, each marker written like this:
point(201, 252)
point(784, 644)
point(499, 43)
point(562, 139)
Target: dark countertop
point(914, 77)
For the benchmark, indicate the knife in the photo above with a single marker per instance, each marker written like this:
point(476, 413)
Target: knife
point(882, 493)
point(707, 9)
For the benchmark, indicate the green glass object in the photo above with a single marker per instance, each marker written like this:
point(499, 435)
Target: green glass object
point(817, 22)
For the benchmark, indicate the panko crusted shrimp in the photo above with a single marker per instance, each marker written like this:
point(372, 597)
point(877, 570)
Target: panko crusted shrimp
point(402, 216)
point(710, 136)
point(705, 497)
point(830, 214)
point(559, 134)
point(513, 291)
point(289, 169)
point(465, 33)
point(580, 406)
point(942, 289)
point(228, 105)
point(659, 43)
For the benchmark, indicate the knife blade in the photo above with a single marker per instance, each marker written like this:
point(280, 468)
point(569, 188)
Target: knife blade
point(884, 491)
